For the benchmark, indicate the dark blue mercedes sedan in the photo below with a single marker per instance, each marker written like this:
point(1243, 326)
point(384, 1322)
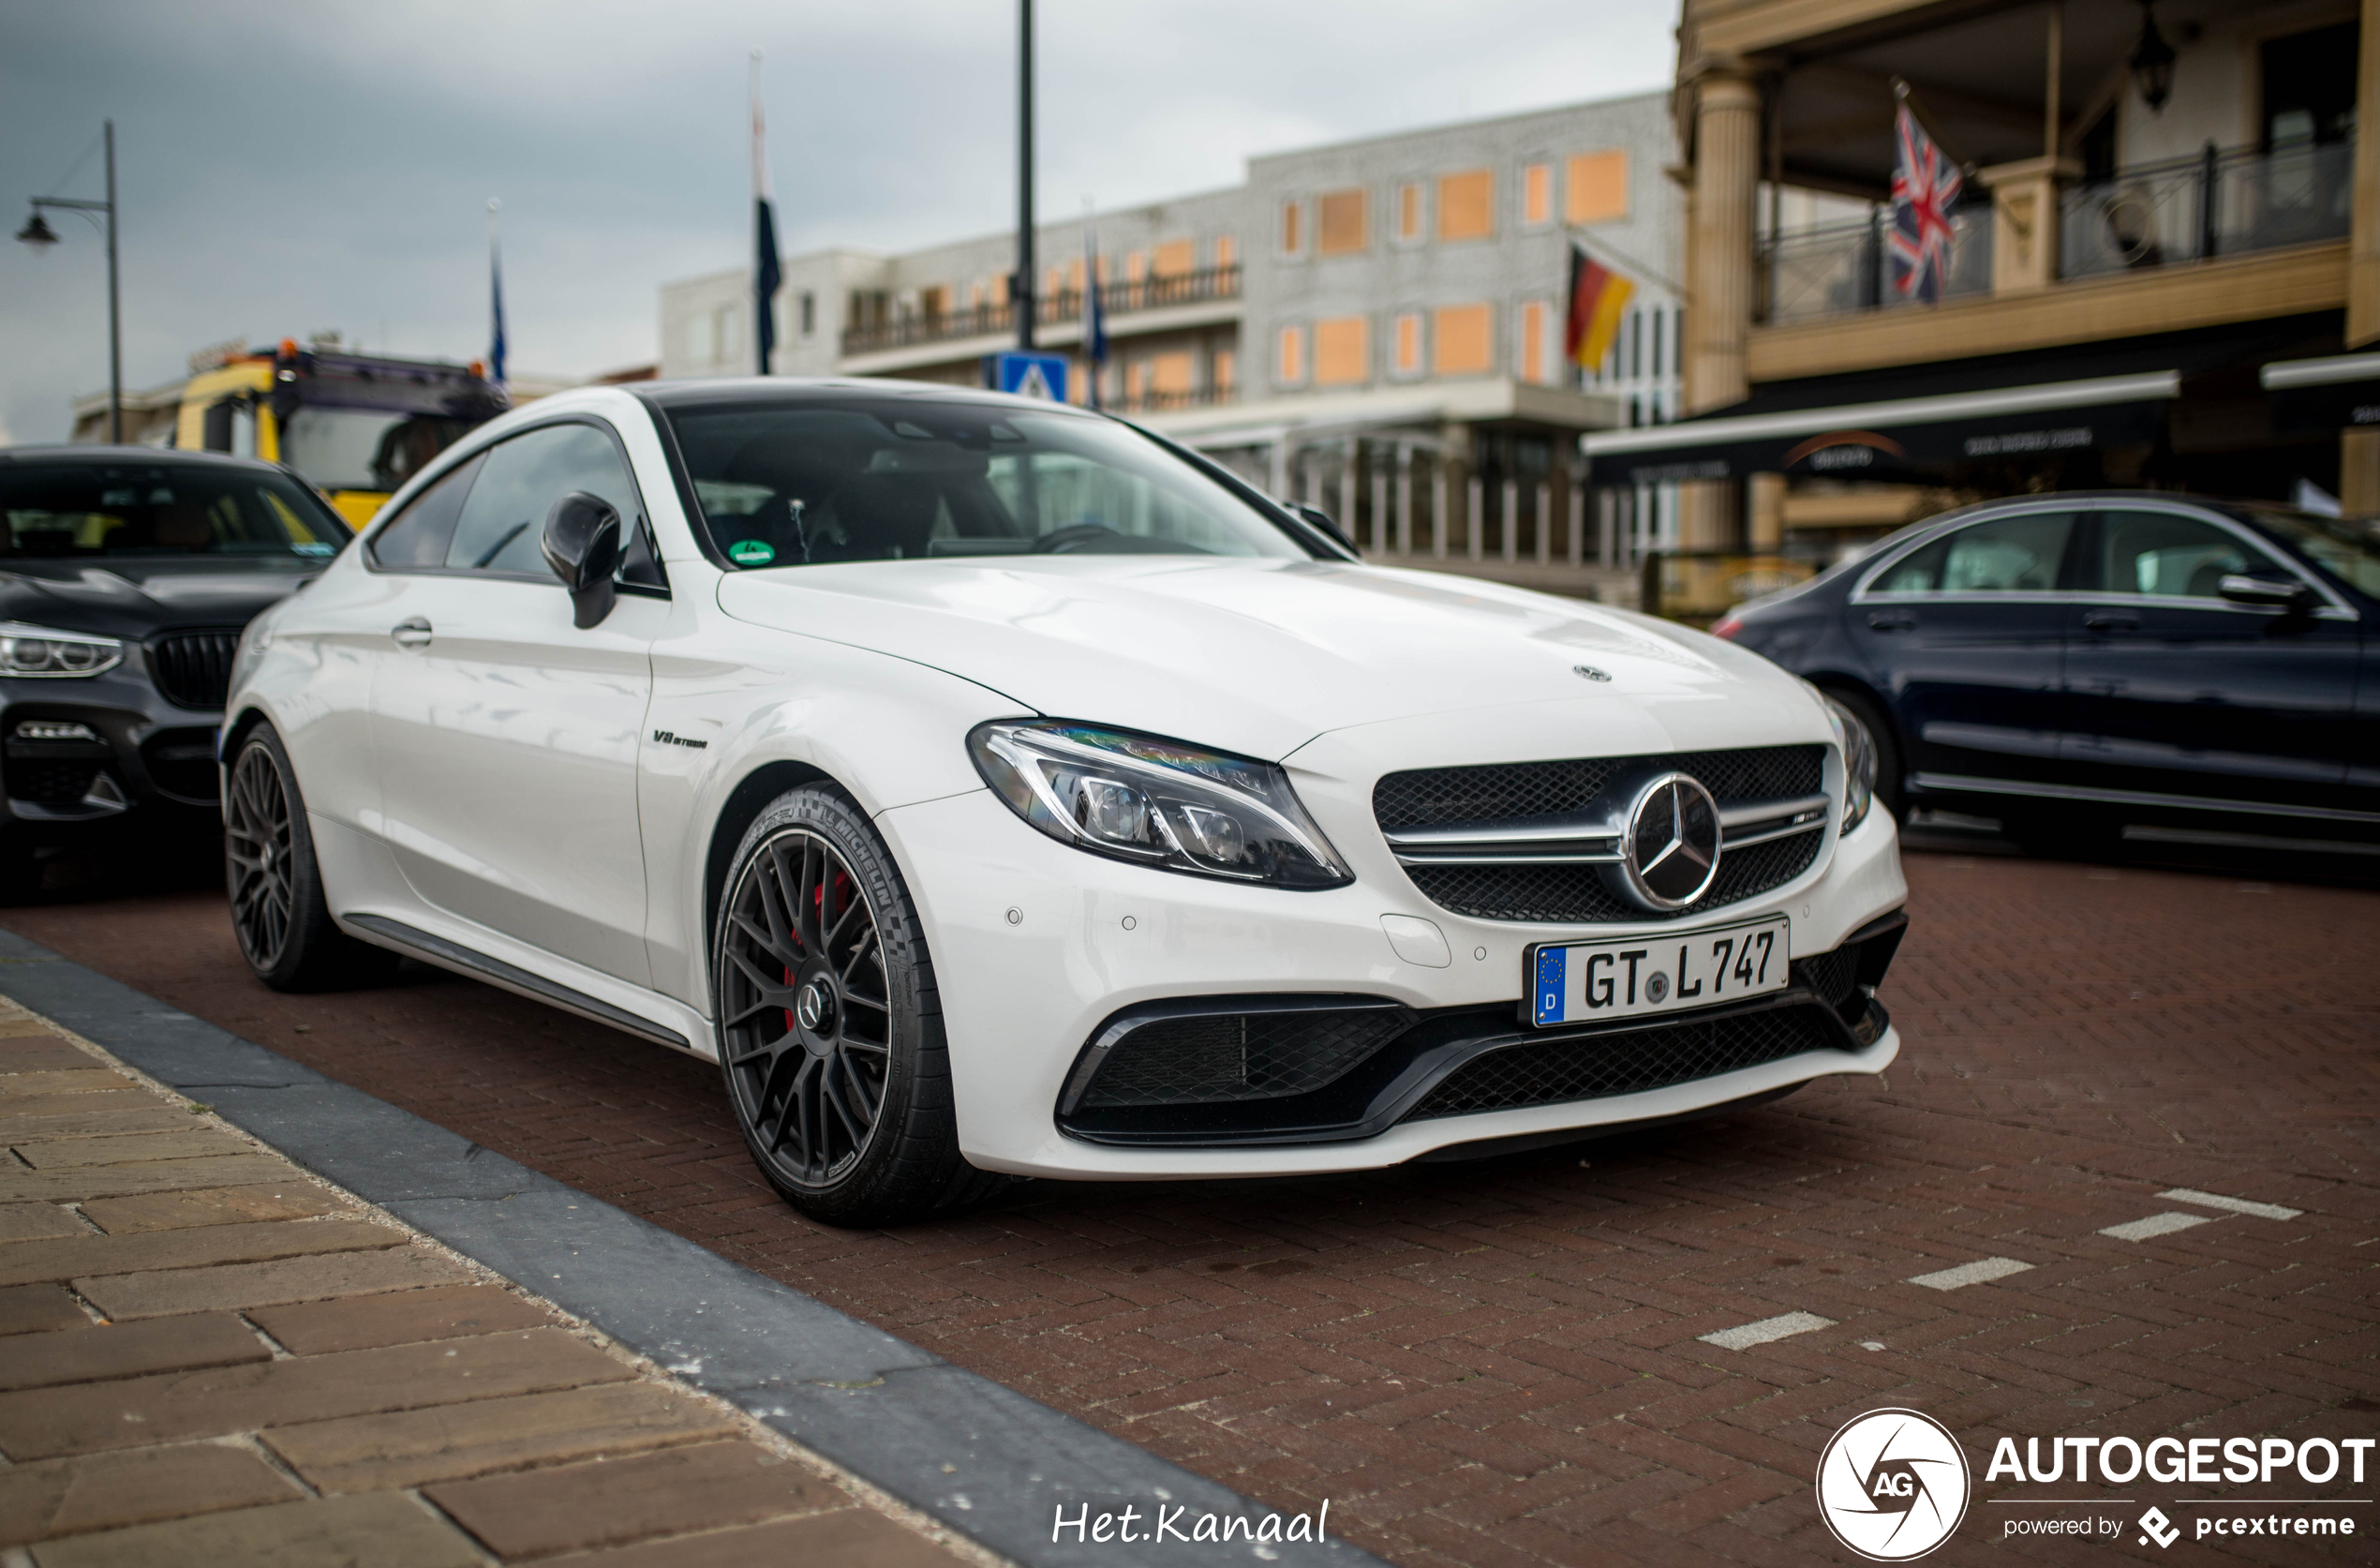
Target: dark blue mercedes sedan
point(2072, 663)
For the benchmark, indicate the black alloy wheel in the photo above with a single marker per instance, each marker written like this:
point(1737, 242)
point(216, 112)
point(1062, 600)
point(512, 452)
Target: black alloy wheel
point(278, 912)
point(829, 1033)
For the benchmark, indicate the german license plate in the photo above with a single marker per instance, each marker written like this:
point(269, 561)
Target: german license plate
point(1584, 982)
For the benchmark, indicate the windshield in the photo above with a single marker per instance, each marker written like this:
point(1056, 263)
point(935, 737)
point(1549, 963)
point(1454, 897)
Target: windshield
point(365, 449)
point(907, 480)
point(2348, 550)
point(79, 509)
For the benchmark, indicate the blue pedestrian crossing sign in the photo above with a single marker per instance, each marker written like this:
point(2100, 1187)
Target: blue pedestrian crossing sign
point(1031, 374)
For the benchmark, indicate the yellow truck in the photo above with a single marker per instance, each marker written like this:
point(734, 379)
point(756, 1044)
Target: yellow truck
point(355, 426)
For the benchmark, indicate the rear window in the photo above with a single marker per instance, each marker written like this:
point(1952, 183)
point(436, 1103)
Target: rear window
point(152, 508)
point(808, 484)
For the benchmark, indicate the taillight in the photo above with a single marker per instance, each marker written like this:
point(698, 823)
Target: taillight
point(1727, 626)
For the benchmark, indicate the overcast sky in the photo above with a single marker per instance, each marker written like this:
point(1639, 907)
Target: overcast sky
point(285, 168)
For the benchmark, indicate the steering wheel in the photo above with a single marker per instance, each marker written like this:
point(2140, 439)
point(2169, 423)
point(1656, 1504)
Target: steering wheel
point(1065, 539)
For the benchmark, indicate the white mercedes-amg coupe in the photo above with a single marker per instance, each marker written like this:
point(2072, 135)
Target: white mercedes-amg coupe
point(994, 788)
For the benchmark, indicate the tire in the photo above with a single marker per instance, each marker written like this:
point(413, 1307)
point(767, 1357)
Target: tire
point(831, 1031)
point(278, 915)
point(1892, 790)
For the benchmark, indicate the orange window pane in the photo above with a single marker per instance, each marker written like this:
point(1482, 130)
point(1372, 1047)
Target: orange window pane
point(1344, 223)
point(1408, 344)
point(1000, 290)
point(1533, 316)
point(1227, 251)
point(1537, 193)
point(1074, 274)
point(1227, 371)
point(1135, 380)
point(1175, 258)
point(1171, 373)
point(1290, 367)
point(1597, 186)
point(1053, 280)
point(1408, 211)
point(1136, 266)
point(1466, 205)
point(1342, 351)
point(1462, 339)
point(1292, 227)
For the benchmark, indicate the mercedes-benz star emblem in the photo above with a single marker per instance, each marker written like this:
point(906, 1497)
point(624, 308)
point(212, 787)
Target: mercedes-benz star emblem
point(1590, 672)
point(813, 1006)
point(1670, 853)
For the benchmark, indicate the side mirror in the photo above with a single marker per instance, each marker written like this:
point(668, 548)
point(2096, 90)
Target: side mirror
point(1322, 520)
point(581, 543)
point(2287, 594)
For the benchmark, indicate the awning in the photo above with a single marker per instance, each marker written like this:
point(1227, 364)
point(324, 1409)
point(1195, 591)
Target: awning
point(1891, 439)
point(2328, 394)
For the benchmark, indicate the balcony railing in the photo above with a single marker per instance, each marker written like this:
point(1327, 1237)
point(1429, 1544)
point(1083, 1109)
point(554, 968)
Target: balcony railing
point(1168, 402)
point(2219, 203)
point(2216, 204)
point(1845, 266)
point(912, 327)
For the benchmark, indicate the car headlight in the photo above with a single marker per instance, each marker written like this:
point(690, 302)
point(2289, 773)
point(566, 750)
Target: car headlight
point(1859, 762)
point(1156, 802)
point(46, 654)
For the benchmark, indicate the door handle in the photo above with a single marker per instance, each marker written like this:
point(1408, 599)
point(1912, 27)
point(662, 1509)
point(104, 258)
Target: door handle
point(414, 633)
point(1883, 622)
point(2111, 622)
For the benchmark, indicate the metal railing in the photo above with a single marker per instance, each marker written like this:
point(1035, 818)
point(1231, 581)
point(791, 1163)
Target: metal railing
point(1845, 267)
point(2219, 203)
point(1153, 401)
point(910, 327)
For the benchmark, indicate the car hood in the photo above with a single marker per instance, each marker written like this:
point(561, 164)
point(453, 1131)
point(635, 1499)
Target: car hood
point(134, 596)
point(1254, 657)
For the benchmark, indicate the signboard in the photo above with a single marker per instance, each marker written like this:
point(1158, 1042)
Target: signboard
point(1030, 375)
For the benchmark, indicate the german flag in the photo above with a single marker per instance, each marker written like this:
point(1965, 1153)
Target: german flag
point(1598, 297)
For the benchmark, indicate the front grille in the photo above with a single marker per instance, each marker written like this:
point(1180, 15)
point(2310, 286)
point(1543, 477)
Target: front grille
point(194, 668)
point(1564, 894)
point(50, 784)
point(1224, 1057)
point(1452, 797)
point(1558, 1071)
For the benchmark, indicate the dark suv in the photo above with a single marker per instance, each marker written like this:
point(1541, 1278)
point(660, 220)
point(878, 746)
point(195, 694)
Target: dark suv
point(2071, 663)
point(126, 576)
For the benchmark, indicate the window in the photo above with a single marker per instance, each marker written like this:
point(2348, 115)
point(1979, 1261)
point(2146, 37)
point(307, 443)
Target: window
point(1000, 287)
point(908, 477)
point(1536, 194)
point(1136, 382)
point(2000, 555)
point(1288, 365)
point(1408, 213)
point(700, 343)
point(1136, 266)
point(1343, 352)
point(1227, 251)
point(1176, 258)
point(1227, 372)
point(1344, 222)
point(933, 301)
point(503, 519)
point(1169, 375)
point(1464, 343)
point(1293, 229)
point(1466, 205)
point(1408, 344)
point(1533, 355)
point(731, 331)
point(2348, 550)
point(1074, 274)
point(418, 535)
point(2164, 554)
point(1599, 187)
point(809, 313)
point(101, 508)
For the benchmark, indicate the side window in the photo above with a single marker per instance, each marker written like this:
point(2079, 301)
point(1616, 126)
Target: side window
point(2165, 554)
point(418, 535)
point(1998, 554)
point(520, 481)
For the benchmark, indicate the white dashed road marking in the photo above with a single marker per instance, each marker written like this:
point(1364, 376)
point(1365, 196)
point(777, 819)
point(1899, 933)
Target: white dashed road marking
point(1761, 1332)
point(2237, 1205)
point(1981, 1270)
point(2155, 1225)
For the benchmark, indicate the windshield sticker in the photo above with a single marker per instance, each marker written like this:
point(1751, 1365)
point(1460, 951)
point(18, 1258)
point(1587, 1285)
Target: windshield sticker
point(316, 549)
point(752, 552)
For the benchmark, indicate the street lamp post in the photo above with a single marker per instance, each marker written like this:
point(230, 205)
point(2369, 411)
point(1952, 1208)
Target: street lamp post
point(1021, 293)
point(37, 232)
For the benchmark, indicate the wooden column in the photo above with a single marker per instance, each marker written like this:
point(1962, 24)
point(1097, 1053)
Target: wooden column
point(1404, 499)
point(2359, 450)
point(1720, 275)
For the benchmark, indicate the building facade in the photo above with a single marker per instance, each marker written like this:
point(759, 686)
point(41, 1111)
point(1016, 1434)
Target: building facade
point(1373, 327)
point(2163, 260)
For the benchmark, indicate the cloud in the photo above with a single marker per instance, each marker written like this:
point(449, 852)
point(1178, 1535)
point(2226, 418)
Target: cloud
point(286, 169)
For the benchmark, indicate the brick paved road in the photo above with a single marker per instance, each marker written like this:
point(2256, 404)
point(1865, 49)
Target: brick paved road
point(1499, 1364)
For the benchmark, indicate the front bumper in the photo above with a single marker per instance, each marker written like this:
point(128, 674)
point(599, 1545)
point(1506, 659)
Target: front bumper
point(1039, 948)
point(147, 757)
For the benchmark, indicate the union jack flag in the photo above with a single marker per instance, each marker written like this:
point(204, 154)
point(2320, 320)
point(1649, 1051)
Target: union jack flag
point(1924, 187)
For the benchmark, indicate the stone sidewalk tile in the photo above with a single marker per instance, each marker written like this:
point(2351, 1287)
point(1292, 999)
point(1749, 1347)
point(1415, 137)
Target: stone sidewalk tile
point(19, 1185)
point(36, 1308)
point(447, 1442)
point(223, 1205)
point(15, 1087)
point(80, 1123)
point(186, 1143)
point(270, 1284)
point(36, 1222)
point(35, 1108)
point(87, 1254)
point(88, 1354)
point(375, 1529)
point(72, 1497)
point(540, 1512)
point(847, 1538)
point(399, 1318)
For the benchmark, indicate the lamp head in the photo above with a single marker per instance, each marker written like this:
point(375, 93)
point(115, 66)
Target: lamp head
point(2152, 61)
point(36, 231)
